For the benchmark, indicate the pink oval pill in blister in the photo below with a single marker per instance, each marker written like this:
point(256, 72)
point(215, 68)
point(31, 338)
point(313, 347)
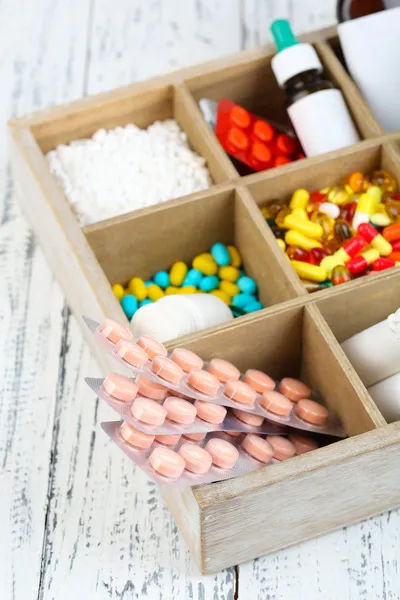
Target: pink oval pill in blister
point(134, 437)
point(203, 382)
point(276, 403)
point(209, 412)
point(283, 449)
point(167, 369)
point(120, 387)
point(168, 440)
point(152, 390)
point(186, 359)
point(223, 453)
point(294, 389)
point(258, 447)
point(167, 462)
point(195, 437)
point(180, 411)
point(248, 418)
point(114, 331)
point(259, 381)
point(152, 347)
point(223, 370)
point(197, 460)
point(131, 353)
point(148, 411)
point(240, 392)
point(303, 443)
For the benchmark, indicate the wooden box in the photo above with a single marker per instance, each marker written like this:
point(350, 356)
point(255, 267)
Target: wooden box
point(297, 333)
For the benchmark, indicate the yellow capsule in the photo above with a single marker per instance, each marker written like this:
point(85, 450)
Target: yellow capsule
point(281, 244)
point(177, 273)
point(307, 228)
point(328, 263)
point(307, 271)
point(229, 288)
point(366, 204)
point(137, 288)
point(381, 208)
point(154, 292)
point(171, 290)
point(188, 289)
point(118, 290)
point(294, 238)
point(206, 264)
point(221, 295)
point(380, 219)
point(376, 193)
point(301, 213)
point(370, 255)
point(236, 259)
point(229, 273)
point(299, 199)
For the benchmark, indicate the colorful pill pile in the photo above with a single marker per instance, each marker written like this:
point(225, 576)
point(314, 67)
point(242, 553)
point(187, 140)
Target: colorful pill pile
point(253, 141)
point(217, 272)
point(338, 233)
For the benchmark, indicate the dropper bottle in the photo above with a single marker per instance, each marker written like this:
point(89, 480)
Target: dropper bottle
point(316, 108)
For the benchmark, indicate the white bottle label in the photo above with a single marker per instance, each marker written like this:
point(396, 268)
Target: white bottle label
point(372, 51)
point(323, 122)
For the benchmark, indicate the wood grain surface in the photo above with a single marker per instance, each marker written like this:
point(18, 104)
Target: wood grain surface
point(76, 519)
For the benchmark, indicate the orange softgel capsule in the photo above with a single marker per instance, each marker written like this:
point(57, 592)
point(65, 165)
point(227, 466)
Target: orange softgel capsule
point(258, 447)
point(148, 411)
point(180, 411)
point(294, 389)
point(312, 412)
point(282, 447)
point(168, 440)
point(223, 370)
point(248, 418)
point(114, 331)
point(303, 443)
point(166, 369)
point(276, 403)
point(186, 359)
point(197, 459)
point(209, 412)
point(166, 462)
point(203, 382)
point(240, 392)
point(134, 437)
point(258, 380)
point(152, 390)
point(131, 353)
point(152, 347)
point(120, 387)
point(223, 453)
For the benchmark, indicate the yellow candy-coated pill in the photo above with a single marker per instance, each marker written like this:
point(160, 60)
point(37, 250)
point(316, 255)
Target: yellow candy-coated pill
point(221, 295)
point(178, 273)
point(281, 244)
point(301, 213)
point(118, 290)
point(171, 290)
point(299, 199)
point(229, 288)
point(330, 262)
point(236, 259)
point(231, 274)
point(137, 288)
point(294, 238)
point(307, 271)
point(188, 289)
point(154, 292)
point(206, 264)
point(307, 228)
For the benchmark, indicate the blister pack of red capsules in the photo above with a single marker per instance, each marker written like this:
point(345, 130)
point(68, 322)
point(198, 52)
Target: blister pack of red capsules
point(185, 460)
point(184, 374)
point(252, 140)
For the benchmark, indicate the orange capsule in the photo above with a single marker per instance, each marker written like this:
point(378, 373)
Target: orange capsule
point(340, 275)
point(392, 232)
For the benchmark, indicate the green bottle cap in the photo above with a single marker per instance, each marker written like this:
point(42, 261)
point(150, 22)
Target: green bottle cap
point(283, 34)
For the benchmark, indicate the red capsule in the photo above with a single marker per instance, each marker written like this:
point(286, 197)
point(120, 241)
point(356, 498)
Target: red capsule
point(367, 231)
point(317, 254)
point(354, 245)
point(394, 256)
point(296, 253)
point(381, 264)
point(396, 246)
point(347, 211)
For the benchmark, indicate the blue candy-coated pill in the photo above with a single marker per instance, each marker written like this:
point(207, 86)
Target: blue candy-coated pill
point(129, 305)
point(193, 277)
point(162, 279)
point(242, 300)
point(253, 307)
point(209, 283)
point(246, 285)
point(144, 302)
point(147, 283)
point(221, 254)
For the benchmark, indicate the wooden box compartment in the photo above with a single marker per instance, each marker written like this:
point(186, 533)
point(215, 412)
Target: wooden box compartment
point(311, 494)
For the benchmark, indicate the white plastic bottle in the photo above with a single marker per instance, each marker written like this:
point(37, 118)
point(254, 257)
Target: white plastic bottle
point(316, 108)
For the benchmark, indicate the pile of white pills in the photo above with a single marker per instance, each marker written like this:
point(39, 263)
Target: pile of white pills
point(127, 168)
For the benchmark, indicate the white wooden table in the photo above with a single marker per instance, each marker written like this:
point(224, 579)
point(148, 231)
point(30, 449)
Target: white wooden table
point(76, 520)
